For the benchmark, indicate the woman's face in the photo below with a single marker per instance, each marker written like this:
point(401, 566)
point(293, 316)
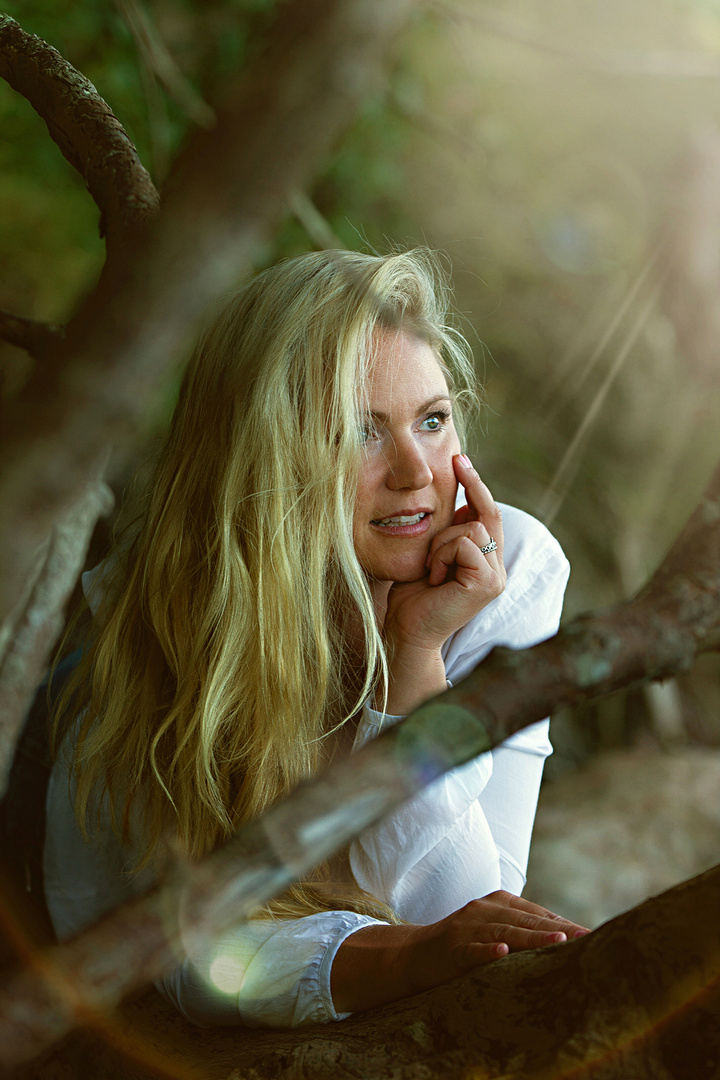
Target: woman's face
point(406, 471)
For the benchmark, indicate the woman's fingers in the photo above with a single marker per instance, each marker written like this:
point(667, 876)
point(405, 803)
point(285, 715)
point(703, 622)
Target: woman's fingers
point(480, 504)
point(461, 546)
point(504, 919)
point(514, 909)
point(496, 940)
point(483, 930)
point(462, 553)
point(477, 953)
point(474, 530)
point(505, 939)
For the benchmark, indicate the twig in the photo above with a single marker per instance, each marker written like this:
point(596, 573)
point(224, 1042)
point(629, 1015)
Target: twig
point(315, 225)
point(88, 134)
point(653, 63)
point(36, 338)
point(159, 59)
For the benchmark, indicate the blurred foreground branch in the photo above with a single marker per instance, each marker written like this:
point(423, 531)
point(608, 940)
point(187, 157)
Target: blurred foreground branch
point(660, 632)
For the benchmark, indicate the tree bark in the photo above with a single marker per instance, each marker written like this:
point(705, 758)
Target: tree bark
point(637, 998)
point(85, 129)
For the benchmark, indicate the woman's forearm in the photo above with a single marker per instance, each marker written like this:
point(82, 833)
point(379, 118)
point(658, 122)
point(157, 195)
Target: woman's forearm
point(371, 968)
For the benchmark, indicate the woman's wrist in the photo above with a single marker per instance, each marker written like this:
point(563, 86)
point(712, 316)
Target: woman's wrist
point(415, 674)
point(374, 966)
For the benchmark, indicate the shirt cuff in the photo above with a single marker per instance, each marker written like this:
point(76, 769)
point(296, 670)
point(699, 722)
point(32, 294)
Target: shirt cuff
point(265, 972)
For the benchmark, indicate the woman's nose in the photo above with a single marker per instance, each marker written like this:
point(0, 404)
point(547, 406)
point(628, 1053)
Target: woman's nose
point(408, 467)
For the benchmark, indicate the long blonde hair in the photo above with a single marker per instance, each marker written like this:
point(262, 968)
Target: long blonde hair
point(219, 660)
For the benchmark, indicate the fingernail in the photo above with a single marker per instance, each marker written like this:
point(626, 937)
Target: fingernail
point(466, 461)
point(557, 937)
point(501, 949)
point(581, 933)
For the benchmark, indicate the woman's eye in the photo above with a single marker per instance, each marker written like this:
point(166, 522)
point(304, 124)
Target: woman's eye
point(435, 421)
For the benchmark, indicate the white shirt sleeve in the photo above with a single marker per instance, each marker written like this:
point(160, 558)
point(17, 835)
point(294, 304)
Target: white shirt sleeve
point(266, 972)
point(271, 972)
point(468, 833)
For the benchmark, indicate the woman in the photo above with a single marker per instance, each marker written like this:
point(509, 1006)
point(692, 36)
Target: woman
point(298, 576)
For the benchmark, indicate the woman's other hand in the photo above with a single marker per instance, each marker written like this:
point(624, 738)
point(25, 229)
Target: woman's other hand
point(382, 963)
point(482, 931)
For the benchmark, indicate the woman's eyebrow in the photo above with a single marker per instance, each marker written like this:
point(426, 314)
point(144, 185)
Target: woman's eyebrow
point(382, 417)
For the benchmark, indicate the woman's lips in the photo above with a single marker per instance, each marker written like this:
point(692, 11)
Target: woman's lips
point(396, 527)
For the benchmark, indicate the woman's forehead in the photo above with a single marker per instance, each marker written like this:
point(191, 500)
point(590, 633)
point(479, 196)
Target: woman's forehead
point(403, 369)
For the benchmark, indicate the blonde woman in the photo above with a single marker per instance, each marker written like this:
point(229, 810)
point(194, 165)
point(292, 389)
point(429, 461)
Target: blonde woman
point(297, 577)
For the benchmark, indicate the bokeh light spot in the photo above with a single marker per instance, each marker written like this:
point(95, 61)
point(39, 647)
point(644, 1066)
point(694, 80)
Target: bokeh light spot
point(227, 974)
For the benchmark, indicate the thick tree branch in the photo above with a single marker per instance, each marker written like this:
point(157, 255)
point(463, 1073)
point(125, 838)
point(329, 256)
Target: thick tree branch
point(658, 633)
point(640, 997)
point(85, 129)
point(36, 338)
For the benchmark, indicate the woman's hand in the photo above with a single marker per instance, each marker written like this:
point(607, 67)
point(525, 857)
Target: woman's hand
point(462, 579)
point(379, 964)
point(482, 931)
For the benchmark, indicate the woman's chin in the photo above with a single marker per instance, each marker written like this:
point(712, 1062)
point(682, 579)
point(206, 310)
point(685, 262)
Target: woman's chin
point(398, 566)
point(409, 570)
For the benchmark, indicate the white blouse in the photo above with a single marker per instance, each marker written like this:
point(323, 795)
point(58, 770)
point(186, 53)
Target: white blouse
point(466, 835)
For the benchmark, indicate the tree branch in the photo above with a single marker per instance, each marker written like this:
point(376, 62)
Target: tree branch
point(639, 997)
point(36, 338)
point(161, 62)
point(83, 126)
point(659, 632)
point(30, 633)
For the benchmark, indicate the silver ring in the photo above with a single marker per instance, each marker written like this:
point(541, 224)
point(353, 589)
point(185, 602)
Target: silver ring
point(487, 548)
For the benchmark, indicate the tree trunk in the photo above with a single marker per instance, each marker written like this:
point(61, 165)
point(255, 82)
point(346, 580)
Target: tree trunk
point(638, 998)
